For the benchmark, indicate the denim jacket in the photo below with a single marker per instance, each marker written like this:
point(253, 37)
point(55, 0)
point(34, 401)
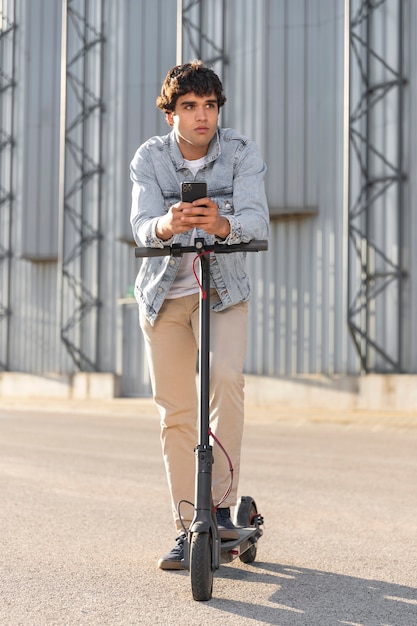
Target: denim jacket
point(234, 172)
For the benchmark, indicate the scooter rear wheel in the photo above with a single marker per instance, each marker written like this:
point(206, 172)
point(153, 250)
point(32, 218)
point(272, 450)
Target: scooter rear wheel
point(201, 571)
point(245, 515)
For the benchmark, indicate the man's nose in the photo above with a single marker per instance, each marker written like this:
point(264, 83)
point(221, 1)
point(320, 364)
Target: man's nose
point(201, 113)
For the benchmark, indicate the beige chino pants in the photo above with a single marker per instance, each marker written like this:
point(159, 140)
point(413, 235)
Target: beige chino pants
point(172, 348)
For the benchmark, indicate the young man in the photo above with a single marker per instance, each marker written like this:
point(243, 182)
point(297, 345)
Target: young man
point(235, 211)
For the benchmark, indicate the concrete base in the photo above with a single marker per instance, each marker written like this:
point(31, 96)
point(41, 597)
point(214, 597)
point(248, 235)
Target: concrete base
point(364, 393)
point(103, 386)
point(373, 392)
point(95, 386)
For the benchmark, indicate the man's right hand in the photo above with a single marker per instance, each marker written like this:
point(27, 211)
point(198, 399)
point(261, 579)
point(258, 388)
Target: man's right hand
point(173, 222)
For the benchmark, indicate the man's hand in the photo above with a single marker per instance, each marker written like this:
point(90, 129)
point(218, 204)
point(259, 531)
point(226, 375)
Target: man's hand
point(184, 216)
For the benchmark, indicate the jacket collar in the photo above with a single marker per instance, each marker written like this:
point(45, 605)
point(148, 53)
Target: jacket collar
point(213, 152)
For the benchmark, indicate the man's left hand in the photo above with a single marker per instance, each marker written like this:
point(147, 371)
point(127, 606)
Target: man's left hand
point(204, 214)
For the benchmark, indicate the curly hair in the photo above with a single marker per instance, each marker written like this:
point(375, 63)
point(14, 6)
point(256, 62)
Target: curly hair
point(183, 79)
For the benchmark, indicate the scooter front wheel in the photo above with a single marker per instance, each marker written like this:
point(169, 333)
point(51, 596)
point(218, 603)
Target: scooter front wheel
point(201, 571)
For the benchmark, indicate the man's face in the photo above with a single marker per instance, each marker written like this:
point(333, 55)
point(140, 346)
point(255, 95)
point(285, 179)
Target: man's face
point(195, 123)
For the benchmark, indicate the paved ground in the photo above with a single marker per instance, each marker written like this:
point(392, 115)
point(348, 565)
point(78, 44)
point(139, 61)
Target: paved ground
point(84, 518)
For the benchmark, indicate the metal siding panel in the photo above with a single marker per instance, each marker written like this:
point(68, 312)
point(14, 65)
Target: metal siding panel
point(49, 123)
point(135, 379)
point(139, 51)
point(296, 99)
point(32, 94)
point(293, 104)
point(330, 177)
point(307, 263)
point(146, 51)
point(33, 328)
point(313, 61)
point(275, 106)
point(41, 87)
point(231, 114)
point(33, 324)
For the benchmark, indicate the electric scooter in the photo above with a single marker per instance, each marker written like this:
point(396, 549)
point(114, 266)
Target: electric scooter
point(203, 549)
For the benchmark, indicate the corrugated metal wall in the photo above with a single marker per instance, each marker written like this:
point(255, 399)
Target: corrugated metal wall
point(284, 83)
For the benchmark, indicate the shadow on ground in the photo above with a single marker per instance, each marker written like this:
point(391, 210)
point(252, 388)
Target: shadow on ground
point(306, 597)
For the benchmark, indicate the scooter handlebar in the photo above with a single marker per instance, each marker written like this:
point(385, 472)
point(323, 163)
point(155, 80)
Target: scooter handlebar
point(256, 245)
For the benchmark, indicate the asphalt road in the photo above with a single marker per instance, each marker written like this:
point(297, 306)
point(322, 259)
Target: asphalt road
point(84, 517)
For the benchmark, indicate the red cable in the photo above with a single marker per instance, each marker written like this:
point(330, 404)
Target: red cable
point(203, 292)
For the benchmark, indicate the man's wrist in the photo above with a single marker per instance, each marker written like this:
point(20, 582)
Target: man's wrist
point(224, 229)
point(161, 232)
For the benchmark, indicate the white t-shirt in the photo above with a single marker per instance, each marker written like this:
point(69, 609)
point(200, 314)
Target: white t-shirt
point(185, 282)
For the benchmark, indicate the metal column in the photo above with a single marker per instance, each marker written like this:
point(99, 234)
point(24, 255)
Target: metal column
point(376, 179)
point(80, 179)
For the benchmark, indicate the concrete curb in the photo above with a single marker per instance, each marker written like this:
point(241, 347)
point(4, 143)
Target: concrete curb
point(373, 392)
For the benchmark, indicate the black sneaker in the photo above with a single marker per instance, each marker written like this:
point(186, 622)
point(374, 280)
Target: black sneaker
point(173, 559)
point(227, 530)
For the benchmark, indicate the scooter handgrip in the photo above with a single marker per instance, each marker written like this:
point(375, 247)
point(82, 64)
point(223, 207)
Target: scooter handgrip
point(144, 252)
point(258, 245)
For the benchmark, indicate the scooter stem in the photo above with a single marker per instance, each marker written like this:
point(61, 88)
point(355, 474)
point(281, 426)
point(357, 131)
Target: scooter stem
point(204, 356)
point(204, 517)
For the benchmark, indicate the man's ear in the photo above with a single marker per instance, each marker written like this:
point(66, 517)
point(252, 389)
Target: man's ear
point(169, 118)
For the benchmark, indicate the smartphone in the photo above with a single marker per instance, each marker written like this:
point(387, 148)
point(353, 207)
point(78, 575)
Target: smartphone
point(193, 191)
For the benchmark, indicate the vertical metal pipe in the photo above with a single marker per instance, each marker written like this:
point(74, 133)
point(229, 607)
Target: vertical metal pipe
point(99, 199)
point(12, 195)
point(346, 159)
point(400, 191)
point(179, 33)
point(61, 207)
point(86, 147)
point(222, 61)
point(366, 261)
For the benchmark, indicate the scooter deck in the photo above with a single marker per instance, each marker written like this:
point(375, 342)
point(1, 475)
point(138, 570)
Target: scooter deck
point(230, 550)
